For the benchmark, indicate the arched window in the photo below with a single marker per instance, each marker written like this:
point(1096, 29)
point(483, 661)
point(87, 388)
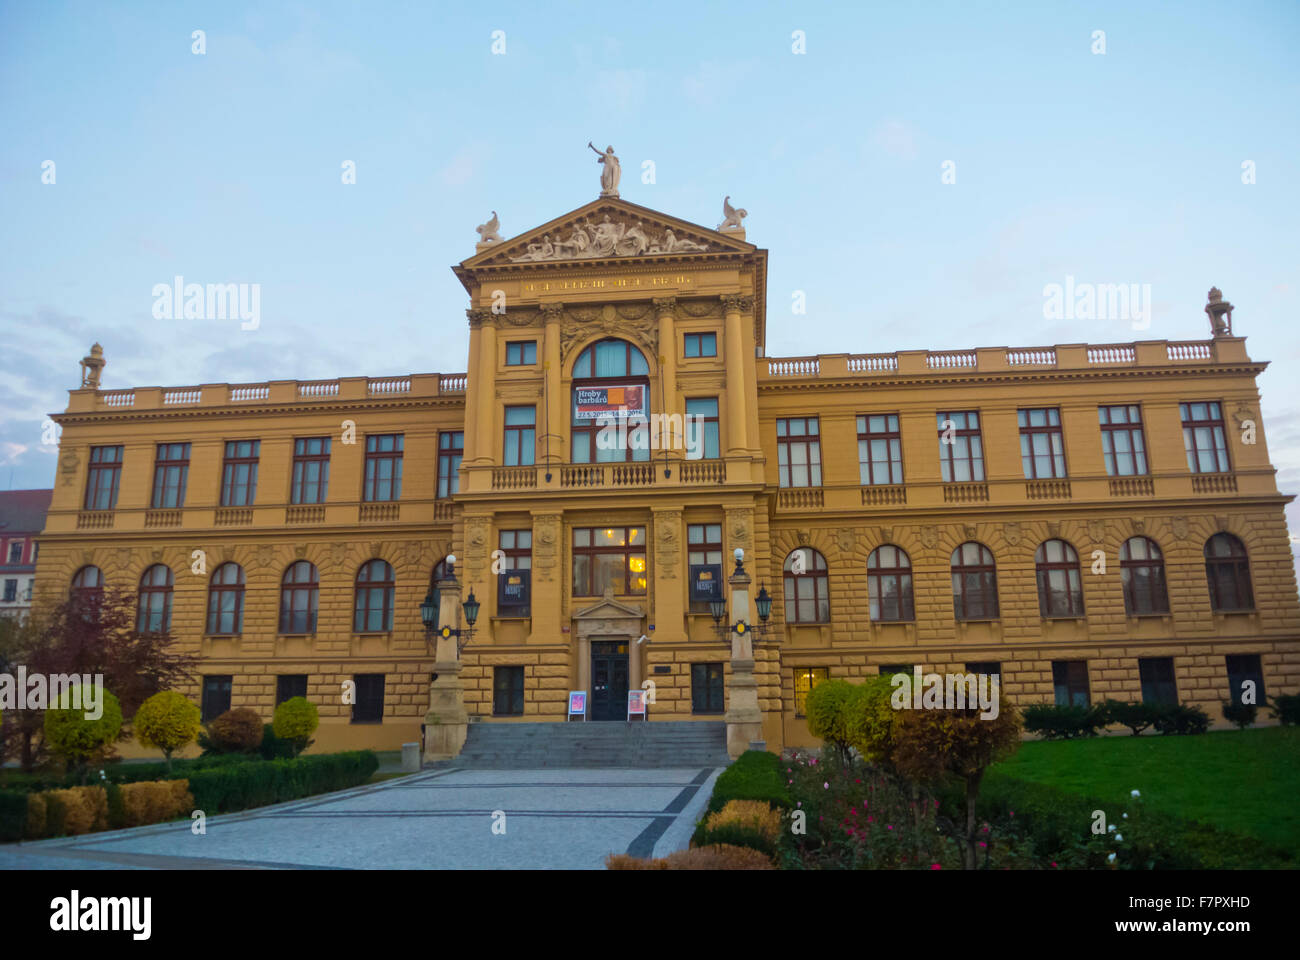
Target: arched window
point(1142, 572)
point(155, 615)
point(88, 584)
point(611, 404)
point(226, 600)
point(1227, 568)
point(1060, 587)
point(889, 584)
point(807, 587)
point(373, 611)
point(299, 595)
point(974, 583)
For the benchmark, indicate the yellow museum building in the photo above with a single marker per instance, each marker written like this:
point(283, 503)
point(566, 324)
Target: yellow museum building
point(1089, 521)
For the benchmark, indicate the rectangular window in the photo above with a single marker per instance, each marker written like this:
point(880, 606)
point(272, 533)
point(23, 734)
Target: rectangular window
point(36, 548)
point(508, 691)
point(11, 591)
point(1122, 442)
point(239, 473)
point(1070, 680)
point(451, 447)
point(170, 471)
point(701, 344)
point(216, 696)
point(513, 582)
point(1203, 437)
point(880, 450)
point(311, 469)
point(704, 560)
point(369, 707)
point(991, 668)
point(520, 437)
point(799, 452)
point(702, 428)
point(104, 477)
point(1157, 676)
point(805, 678)
point(16, 552)
point(383, 467)
point(290, 685)
point(609, 556)
point(961, 446)
point(521, 353)
point(1042, 446)
point(1244, 669)
point(707, 689)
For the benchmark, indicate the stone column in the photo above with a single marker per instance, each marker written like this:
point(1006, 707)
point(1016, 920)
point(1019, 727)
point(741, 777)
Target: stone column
point(485, 396)
point(446, 723)
point(744, 719)
point(558, 411)
point(738, 443)
point(666, 308)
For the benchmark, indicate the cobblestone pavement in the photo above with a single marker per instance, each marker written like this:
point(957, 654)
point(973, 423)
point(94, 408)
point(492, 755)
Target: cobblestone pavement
point(438, 819)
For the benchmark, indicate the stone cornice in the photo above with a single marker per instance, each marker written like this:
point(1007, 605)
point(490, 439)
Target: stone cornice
point(885, 381)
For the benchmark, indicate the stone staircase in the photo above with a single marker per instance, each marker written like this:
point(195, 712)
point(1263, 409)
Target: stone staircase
point(518, 746)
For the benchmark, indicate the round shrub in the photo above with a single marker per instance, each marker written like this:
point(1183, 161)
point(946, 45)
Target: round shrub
point(236, 731)
point(869, 720)
point(166, 721)
point(74, 736)
point(824, 708)
point(296, 720)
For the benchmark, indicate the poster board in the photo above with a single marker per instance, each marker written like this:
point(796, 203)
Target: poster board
point(635, 704)
point(577, 704)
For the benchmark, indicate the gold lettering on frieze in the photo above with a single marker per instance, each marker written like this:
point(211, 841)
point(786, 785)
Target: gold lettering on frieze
point(545, 286)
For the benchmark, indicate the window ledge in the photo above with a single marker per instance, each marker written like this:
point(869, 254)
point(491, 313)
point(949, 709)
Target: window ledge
point(365, 634)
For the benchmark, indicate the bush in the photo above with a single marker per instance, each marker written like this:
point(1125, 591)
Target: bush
point(156, 801)
point(240, 786)
point(741, 823)
point(1242, 714)
point(826, 710)
point(1063, 723)
point(116, 806)
point(13, 815)
point(71, 735)
point(1177, 718)
point(166, 721)
point(1285, 708)
point(273, 748)
point(755, 775)
point(236, 731)
point(720, 857)
point(870, 720)
point(1136, 716)
point(296, 720)
point(85, 809)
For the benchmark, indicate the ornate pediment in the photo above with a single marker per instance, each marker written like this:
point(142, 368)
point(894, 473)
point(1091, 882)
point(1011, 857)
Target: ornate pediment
point(608, 229)
point(608, 608)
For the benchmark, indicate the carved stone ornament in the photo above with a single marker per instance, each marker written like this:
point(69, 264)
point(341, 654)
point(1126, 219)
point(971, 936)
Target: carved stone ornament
point(698, 308)
point(1097, 530)
point(1181, 528)
point(1221, 522)
point(845, 539)
point(265, 555)
point(1011, 532)
point(581, 323)
point(1053, 530)
point(338, 554)
point(487, 232)
point(68, 464)
point(123, 557)
point(300, 552)
point(736, 303)
point(477, 535)
point(623, 236)
point(669, 538)
point(665, 306)
point(414, 552)
point(1241, 415)
point(1220, 313)
point(478, 316)
point(1139, 527)
point(886, 534)
point(970, 531)
point(731, 216)
point(930, 536)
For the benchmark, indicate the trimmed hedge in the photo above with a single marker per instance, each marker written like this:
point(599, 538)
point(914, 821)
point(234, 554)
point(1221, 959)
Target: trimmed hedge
point(13, 815)
point(1242, 714)
point(119, 773)
point(1178, 718)
point(1063, 723)
point(755, 775)
point(1286, 708)
point(261, 782)
point(741, 823)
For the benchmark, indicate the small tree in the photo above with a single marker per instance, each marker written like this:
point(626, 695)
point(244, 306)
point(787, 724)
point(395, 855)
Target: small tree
point(167, 721)
point(825, 709)
point(76, 737)
point(236, 731)
point(1136, 716)
point(869, 721)
point(296, 720)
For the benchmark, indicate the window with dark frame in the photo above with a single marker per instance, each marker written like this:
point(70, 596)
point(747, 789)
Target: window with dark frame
point(16, 552)
point(155, 610)
point(708, 692)
point(384, 467)
point(374, 598)
point(704, 560)
point(521, 353)
point(290, 685)
point(1042, 445)
point(702, 439)
point(974, 583)
point(514, 581)
point(104, 478)
point(1123, 443)
point(799, 452)
point(226, 600)
point(1060, 584)
point(807, 587)
point(1157, 677)
point(1142, 576)
point(991, 668)
point(215, 699)
point(520, 443)
point(889, 584)
point(507, 691)
point(88, 585)
point(700, 344)
point(11, 591)
point(1227, 570)
point(961, 446)
point(170, 471)
point(239, 473)
point(880, 450)
point(451, 447)
point(805, 678)
point(311, 470)
point(608, 364)
point(1070, 683)
point(369, 707)
point(613, 556)
point(1204, 439)
point(894, 669)
point(299, 596)
point(1243, 667)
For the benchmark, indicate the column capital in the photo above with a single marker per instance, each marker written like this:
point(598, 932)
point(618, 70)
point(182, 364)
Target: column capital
point(664, 305)
point(552, 312)
point(736, 303)
point(478, 316)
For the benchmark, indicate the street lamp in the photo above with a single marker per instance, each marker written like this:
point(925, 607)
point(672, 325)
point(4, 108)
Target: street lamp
point(764, 603)
point(429, 613)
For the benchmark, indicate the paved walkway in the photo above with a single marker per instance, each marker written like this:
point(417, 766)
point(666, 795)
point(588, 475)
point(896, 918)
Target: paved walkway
point(443, 819)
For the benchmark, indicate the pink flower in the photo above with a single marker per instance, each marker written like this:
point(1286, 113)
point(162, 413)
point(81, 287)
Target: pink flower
point(1053, 863)
point(983, 844)
point(871, 819)
point(889, 826)
point(799, 804)
point(936, 803)
point(826, 785)
point(1013, 813)
point(935, 866)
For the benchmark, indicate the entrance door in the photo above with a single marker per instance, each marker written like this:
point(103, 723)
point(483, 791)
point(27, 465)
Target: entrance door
point(608, 681)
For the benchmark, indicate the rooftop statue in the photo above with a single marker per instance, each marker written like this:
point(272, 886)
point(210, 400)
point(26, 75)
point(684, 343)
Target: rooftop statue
point(731, 215)
point(610, 173)
point(487, 232)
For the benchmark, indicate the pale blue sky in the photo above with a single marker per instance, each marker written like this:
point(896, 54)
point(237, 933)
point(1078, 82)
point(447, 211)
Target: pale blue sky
point(1115, 168)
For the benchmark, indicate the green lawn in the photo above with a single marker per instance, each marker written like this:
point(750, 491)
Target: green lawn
point(1243, 781)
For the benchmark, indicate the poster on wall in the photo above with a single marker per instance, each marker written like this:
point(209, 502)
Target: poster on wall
point(706, 581)
point(636, 704)
point(618, 401)
point(578, 704)
point(513, 593)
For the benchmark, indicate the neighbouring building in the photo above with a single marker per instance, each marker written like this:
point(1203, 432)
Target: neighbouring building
point(22, 517)
point(1089, 521)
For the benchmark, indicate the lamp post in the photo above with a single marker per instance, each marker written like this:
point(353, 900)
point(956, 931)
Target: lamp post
point(744, 718)
point(446, 722)
point(429, 611)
